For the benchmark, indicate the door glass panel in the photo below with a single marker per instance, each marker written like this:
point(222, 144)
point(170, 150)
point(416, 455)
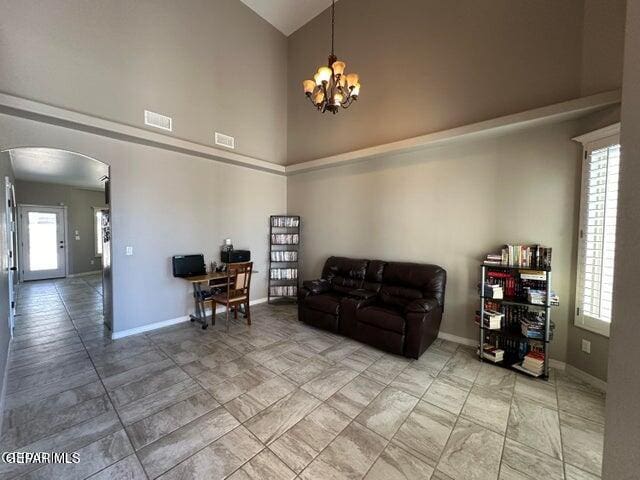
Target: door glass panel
point(43, 241)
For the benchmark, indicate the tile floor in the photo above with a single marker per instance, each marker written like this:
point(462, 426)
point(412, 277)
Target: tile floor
point(278, 400)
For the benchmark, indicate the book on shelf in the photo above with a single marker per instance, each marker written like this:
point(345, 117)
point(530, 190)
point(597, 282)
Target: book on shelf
point(529, 256)
point(492, 353)
point(539, 297)
point(539, 275)
point(492, 319)
point(533, 364)
point(493, 259)
point(494, 291)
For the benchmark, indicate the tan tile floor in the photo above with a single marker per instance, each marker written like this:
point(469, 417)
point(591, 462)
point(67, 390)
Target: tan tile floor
point(277, 400)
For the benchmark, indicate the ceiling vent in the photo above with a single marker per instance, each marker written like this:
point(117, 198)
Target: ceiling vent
point(225, 140)
point(158, 121)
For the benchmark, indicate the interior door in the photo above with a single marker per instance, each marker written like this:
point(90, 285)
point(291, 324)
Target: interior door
point(43, 242)
point(10, 229)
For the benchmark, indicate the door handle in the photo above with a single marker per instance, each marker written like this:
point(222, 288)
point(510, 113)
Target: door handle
point(13, 268)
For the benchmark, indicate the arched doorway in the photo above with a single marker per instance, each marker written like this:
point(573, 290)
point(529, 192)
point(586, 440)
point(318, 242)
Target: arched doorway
point(58, 239)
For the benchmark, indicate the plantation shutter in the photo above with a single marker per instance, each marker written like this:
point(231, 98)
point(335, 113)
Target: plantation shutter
point(598, 236)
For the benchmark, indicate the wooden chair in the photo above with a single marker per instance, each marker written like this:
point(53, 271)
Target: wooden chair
point(238, 288)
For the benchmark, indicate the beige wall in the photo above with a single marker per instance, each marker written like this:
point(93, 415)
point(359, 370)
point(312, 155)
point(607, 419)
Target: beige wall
point(427, 65)
point(209, 64)
point(622, 427)
point(163, 204)
point(80, 203)
point(602, 45)
point(450, 206)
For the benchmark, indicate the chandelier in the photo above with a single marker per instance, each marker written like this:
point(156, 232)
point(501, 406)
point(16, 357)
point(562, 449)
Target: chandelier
point(331, 88)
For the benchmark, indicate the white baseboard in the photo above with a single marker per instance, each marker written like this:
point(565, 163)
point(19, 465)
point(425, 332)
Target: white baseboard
point(587, 377)
point(168, 323)
point(83, 274)
point(455, 339)
point(3, 393)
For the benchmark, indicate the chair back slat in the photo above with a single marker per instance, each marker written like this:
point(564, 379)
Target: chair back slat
point(239, 279)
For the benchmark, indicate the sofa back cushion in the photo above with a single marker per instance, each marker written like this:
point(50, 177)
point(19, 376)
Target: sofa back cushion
point(345, 274)
point(403, 282)
point(373, 276)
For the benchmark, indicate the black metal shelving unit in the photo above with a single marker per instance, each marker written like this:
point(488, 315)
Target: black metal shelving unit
point(284, 257)
point(510, 333)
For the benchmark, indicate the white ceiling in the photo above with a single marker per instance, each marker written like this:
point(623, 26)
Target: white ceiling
point(49, 165)
point(287, 15)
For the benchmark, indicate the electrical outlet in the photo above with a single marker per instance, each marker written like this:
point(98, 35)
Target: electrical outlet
point(586, 346)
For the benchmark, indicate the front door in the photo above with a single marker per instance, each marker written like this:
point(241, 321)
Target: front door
point(42, 239)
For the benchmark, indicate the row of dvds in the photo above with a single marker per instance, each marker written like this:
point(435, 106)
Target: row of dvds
point(284, 291)
point(284, 273)
point(285, 239)
point(284, 256)
point(286, 222)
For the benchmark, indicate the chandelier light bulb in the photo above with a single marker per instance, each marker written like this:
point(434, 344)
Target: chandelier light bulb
point(324, 74)
point(309, 86)
point(337, 99)
point(338, 67)
point(355, 91)
point(352, 79)
point(318, 98)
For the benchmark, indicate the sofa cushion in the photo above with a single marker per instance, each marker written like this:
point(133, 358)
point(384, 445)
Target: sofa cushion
point(373, 276)
point(398, 296)
point(383, 317)
point(345, 274)
point(404, 282)
point(325, 302)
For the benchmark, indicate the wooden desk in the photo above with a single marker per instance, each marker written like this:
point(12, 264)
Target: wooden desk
point(198, 294)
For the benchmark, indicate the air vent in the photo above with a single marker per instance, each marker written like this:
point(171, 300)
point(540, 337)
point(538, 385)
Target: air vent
point(225, 140)
point(158, 121)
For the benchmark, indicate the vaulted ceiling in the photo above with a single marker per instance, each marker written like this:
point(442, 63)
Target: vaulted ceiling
point(287, 15)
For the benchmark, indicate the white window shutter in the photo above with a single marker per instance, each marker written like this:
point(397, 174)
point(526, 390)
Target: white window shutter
point(596, 250)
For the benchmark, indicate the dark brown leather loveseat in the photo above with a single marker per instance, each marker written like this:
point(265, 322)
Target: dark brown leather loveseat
point(395, 306)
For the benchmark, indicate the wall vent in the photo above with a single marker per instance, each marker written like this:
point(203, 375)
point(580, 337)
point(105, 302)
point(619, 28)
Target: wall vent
point(158, 121)
point(225, 140)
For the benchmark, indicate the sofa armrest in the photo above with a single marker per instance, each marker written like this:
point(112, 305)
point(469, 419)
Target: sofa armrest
point(316, 287)
point(422, 305)
point(423, 324)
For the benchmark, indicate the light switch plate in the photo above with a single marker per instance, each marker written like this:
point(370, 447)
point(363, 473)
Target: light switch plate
point(586, 346)
point(129, 251)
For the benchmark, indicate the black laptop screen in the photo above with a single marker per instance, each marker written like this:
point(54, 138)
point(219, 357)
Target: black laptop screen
point(188, 265)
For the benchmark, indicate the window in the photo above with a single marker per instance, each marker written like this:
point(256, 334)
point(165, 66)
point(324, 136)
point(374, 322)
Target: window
point(597, 235)
point(97, 230)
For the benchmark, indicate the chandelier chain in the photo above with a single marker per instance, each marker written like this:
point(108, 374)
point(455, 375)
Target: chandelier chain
point(333, 23)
